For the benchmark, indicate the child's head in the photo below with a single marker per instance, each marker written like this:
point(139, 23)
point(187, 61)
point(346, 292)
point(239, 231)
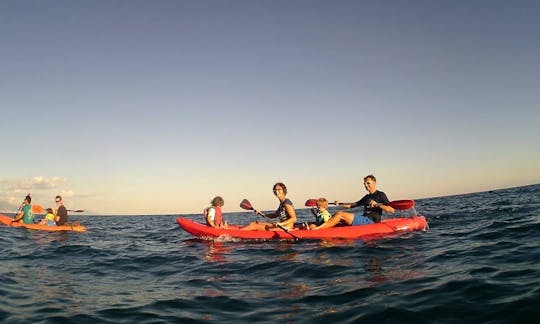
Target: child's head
point(322, 203)
point(217, 201)
point(49, 211)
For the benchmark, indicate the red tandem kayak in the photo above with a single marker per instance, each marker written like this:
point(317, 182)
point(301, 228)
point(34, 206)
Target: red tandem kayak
point(6, 220)
point(384, 228)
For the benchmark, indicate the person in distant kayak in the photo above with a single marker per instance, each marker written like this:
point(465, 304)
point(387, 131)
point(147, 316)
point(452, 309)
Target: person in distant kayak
point(49, 218)
point(375, 202)
point(61, 212)
point(213, 214)
point(321, 213)
point(285, 213)
point(25, 212)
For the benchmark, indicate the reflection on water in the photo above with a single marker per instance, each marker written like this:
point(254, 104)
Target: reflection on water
point(216, 251)
point(375, 269)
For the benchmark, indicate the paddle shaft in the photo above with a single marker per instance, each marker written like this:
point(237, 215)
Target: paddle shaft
point(260, 213)
point(37, 209)
point(296, 238)
point(313, 203)
point(396, 204)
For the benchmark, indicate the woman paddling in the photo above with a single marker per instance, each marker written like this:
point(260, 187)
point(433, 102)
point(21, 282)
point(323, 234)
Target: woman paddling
point(285, 213)
point(375, 202)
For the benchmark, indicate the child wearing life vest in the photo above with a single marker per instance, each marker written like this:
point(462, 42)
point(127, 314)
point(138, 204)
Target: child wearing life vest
point(213, 214)
point(49, 218)
point(322, 215)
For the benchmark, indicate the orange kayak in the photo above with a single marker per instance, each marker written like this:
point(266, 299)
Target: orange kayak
point(6, 220)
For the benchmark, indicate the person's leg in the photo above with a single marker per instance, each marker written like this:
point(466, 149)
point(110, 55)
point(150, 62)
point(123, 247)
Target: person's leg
point(360, 219)
point(255, 226)
point(338, 217)
point(346, 217)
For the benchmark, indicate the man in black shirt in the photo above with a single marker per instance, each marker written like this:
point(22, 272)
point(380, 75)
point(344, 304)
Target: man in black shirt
point(375, 202)
point(61, 213)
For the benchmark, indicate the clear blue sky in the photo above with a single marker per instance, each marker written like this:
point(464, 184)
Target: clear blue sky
point(151, 107)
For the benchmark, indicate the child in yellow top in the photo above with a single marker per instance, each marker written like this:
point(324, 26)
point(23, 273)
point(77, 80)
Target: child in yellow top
point(322, 215)
point(49, 218)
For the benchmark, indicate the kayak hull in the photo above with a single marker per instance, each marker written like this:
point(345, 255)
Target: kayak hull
point(384, 228)
point(6, 220)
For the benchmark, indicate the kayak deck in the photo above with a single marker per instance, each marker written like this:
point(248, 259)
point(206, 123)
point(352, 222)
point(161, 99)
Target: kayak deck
point(6, 220)
point(385, 227)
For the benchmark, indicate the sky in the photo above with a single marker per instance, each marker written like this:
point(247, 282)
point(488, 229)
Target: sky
point(155, 107)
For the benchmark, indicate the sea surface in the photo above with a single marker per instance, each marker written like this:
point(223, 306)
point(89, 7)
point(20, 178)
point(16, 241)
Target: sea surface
point(478, 263)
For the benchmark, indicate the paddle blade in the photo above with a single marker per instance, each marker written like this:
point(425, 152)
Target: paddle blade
point(401, 204)
point(311, 203)
point(245, 204)
point(37, 209)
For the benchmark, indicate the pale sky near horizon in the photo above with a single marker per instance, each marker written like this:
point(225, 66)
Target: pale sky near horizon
point(155, 107)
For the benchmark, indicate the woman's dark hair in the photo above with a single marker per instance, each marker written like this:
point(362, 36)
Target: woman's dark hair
point(282, 185)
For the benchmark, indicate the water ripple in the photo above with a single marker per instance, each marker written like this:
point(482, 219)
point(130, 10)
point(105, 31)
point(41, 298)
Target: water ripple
point(478, 262)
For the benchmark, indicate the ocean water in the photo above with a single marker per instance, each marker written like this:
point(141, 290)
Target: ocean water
point(478, 263)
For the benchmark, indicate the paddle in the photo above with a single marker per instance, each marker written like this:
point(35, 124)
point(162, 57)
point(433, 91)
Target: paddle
point(402, 204)
point(245, 204)
point(313, 203)
point(37, 209)
point(396, 204)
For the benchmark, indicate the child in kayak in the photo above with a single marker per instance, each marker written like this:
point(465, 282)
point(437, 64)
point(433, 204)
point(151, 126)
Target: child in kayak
point(321, 213)
point(49, 218)
point(213, 214)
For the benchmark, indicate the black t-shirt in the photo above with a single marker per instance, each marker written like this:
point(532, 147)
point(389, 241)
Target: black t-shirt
point(281, 212)
point(62, 213)
point(374, 213)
